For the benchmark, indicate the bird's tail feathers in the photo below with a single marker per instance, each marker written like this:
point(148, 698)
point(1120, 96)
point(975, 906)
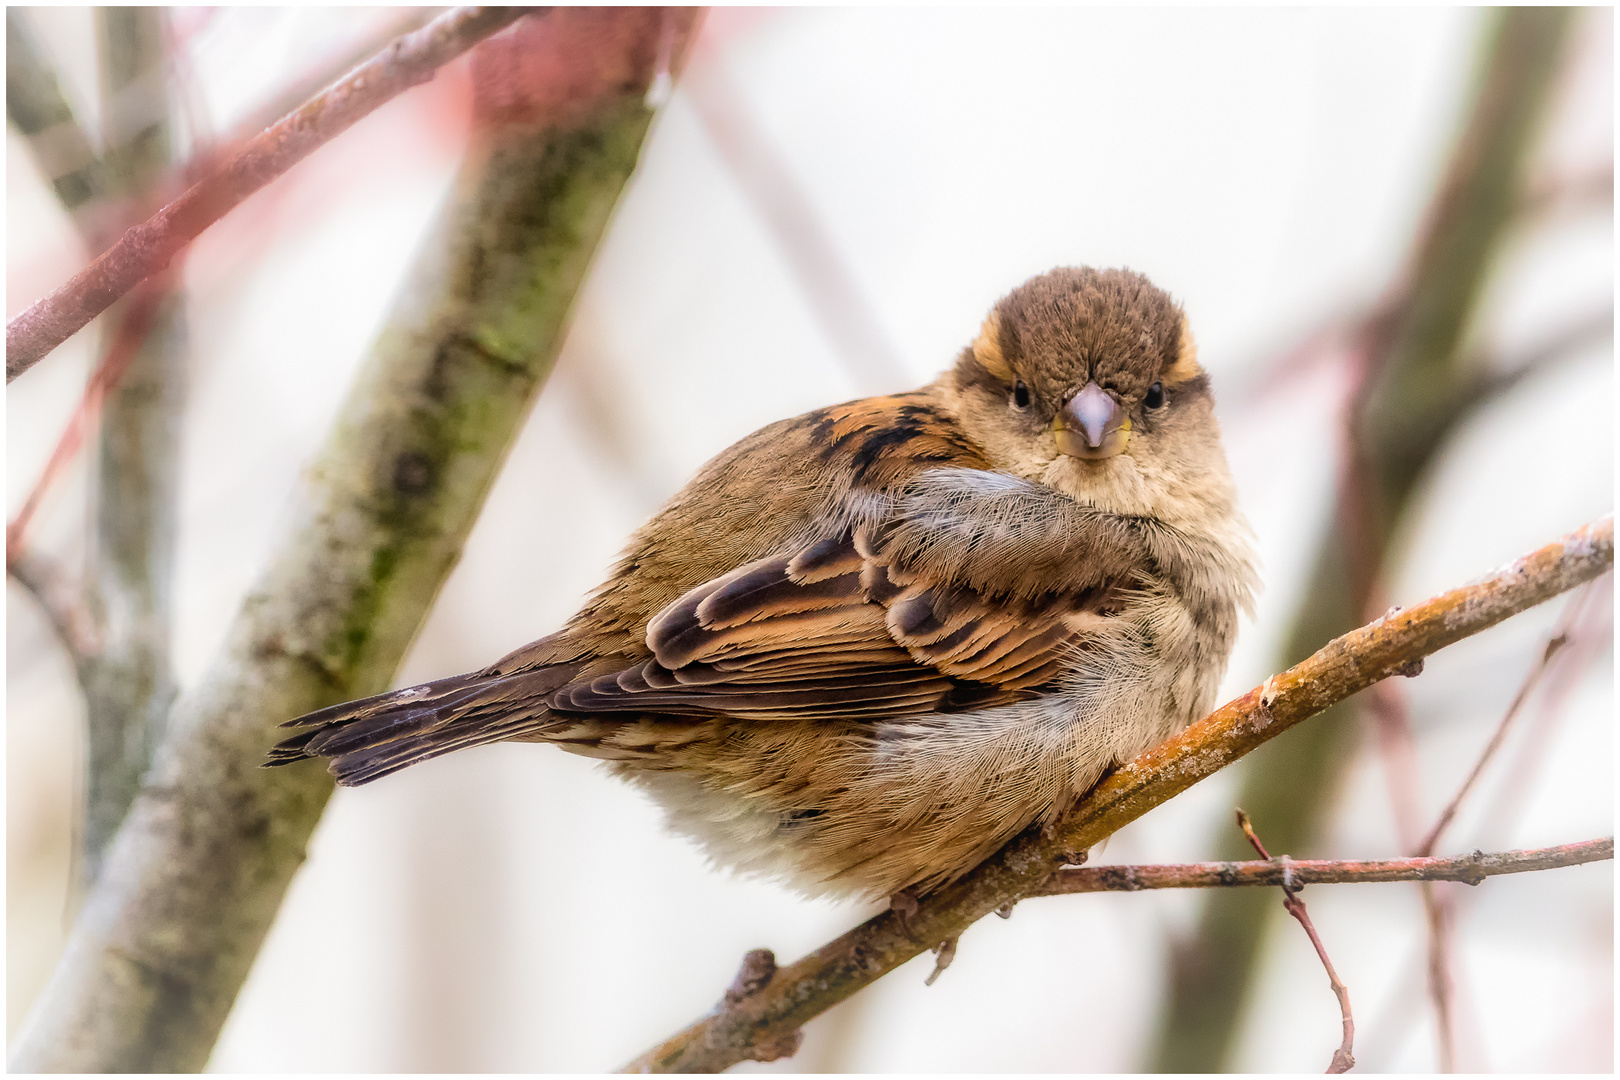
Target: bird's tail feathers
point(375, 736)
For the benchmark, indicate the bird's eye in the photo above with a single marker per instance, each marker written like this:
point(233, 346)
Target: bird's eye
point(1155, 396)
point(1020, 395)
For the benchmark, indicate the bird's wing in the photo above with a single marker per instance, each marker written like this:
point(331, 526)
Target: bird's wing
point(840, 628)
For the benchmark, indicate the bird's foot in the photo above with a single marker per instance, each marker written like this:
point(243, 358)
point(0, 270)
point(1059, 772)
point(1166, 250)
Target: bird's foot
point(944, 953)
point(904, 906)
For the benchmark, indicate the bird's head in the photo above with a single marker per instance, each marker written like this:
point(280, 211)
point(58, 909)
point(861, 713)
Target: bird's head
point(1088, 381)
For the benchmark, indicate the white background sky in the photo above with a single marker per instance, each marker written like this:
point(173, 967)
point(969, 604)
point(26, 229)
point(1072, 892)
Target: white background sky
point(514, 908)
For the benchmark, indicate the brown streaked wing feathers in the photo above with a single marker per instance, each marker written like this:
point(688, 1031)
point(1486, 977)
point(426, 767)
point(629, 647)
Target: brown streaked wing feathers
point(832, 631)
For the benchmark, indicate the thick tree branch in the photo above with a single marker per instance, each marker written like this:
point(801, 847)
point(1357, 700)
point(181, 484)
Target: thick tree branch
point(1472, 869)
point(1388, 646)
point(149, 247)
point(193, 878)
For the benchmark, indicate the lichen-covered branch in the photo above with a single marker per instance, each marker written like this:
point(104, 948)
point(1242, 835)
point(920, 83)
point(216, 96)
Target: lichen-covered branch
point(1388, 646)
point(148, 247)
point(1472, 869)
point(193, 878)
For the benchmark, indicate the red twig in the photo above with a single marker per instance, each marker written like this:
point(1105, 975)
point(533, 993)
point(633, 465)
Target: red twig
point(132, 333)
point(151, 245)
point(1343, 1059)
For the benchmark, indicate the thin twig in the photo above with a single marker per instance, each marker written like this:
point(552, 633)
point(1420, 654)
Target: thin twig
point(1472, 869)
point(1560, 637)
point(60, 602)
point(150, 246)
point(1344, 666)
point(1437, 908)
point(132, 332)
point(1343, 1059)
point(1437, 920)
point(1588, 641)
point(1593, 187)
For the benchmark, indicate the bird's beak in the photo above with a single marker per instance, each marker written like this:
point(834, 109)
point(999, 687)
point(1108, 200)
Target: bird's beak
point(1092, 425)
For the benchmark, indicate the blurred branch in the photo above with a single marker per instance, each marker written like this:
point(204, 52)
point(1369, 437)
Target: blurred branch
point(1472, 869)
point(1438, 909)
point(40, 111)
point(193, 878)
point(838, 301)
point(133, 327)
point(130, 686)
point(1532, 679)
point(150, 246)
point(1592, 188)
point(306, 84)
point(1388, 646)
point(1592, 636)
point(1412, 380)
point(62, 603)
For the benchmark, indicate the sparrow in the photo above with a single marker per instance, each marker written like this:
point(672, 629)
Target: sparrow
point(865, 647)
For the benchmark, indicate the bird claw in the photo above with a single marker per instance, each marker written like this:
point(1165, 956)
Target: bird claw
point(944, 953)
point(904, 905)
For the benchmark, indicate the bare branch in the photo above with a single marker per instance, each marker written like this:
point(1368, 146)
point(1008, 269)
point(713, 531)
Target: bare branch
point(1343, 1059)
point(126, 344)
point(150, 246)
point(1592, 188)
point(1471, 869)
point(1560, 637)
point(129, 689)
point(59, 599)
point(1342, 667)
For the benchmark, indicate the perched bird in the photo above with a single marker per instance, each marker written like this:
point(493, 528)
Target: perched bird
point(866, 646)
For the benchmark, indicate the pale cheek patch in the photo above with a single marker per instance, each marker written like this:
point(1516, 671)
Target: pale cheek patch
point(1186, 365)
point(987, 350)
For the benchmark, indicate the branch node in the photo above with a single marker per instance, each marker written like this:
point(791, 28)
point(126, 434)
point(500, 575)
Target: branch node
point(1268, 693)
point(1411, 669)
point(757, 971)
point(1005, 910)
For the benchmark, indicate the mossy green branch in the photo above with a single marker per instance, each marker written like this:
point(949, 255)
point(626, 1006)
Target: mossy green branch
point(192, 880)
